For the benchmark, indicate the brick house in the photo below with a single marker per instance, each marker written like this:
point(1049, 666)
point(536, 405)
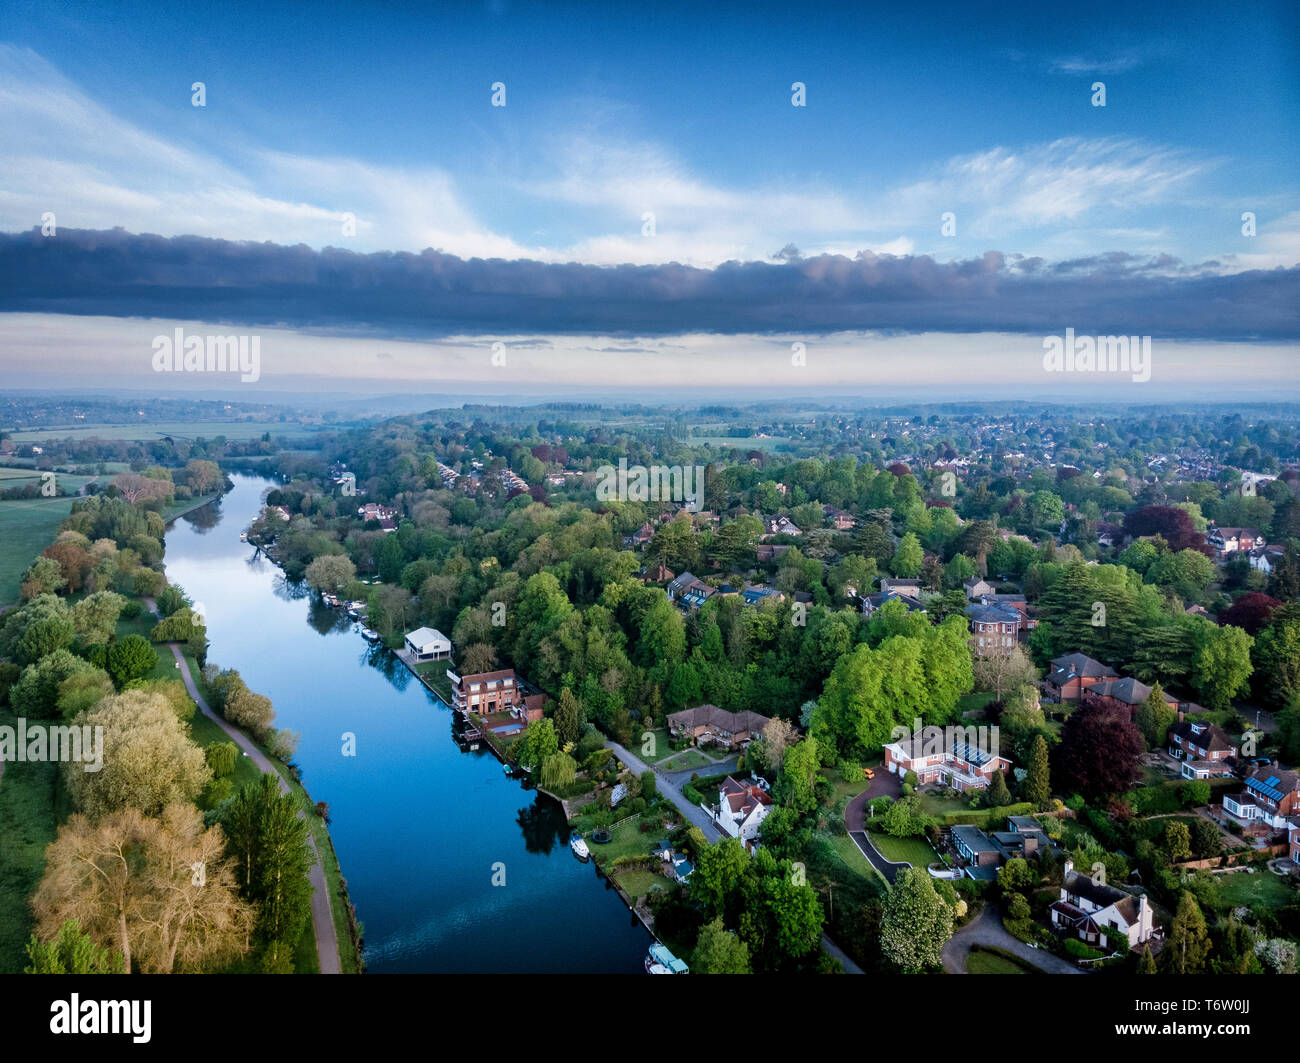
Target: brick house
point(1204, 748)
point(1074, 673)
point(1271, 795)
point(491, 692)
point(708, 723)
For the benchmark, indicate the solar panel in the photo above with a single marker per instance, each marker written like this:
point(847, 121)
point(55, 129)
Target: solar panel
point(1272, 780)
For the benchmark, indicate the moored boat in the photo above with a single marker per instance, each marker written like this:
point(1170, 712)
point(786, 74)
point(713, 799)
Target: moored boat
point(369, 635)
point(579, 847)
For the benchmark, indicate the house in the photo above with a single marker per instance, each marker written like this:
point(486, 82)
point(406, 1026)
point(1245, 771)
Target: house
point(947, 758)
point(1087, 906)
point(708, 723)
point(781, 525)
point(909, 587)
point(497, 692)
point(1271, 795)
point(994, 629)
point(641, 536)
point(1229, 540)
point(428, 644)
point(1293, 839)
point(374, 511)
point(742, 807)
point(839, 519)
point(679, 585)
point(771, 552)
point(1074, 673)
point(753, 593)
point(658, 574)
point(985, 853)
point(1265, 559)
point(872, 602)
point(1125, 691)
point(1018, 602)
point(976, 588)
point(1204, 748)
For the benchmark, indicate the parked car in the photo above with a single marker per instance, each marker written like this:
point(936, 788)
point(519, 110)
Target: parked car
point(868, 773)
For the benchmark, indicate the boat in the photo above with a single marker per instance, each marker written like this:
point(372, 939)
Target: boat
point(506, 768)
point(243, 536)
point(369, 635)
point(660, 961)
point(579, 847)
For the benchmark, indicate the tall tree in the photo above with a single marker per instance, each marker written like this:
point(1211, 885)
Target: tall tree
point(917, 922)
point(1099, 751)
point(1188, 945)
point(1037, 786)
point(719, 951)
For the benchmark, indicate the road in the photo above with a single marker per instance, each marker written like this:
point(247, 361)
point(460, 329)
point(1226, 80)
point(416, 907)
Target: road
point(987, 929)
point(712, 833)
point(322, 914)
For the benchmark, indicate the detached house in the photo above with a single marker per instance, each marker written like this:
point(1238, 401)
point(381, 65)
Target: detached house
point(946, 758)
point(708, 723)
point(977, 588)
point(1074, 673)
point(1204, 749)
point(742, 807)
point(872, 602)
point(428, 644)
point(781, 525)
point(1230, 540)
point(487, 693)
point(994, 629)
point(1087, 907)
point(1271, 795)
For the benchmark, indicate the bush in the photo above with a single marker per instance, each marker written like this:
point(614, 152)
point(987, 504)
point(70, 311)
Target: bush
point(1078, 949)
point(133, 608)
point(1075, 803)
point(851, 771)
point(649, 785)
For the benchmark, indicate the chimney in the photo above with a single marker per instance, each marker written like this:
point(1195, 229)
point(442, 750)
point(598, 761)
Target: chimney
point(1181, 714)
point(1067, 867)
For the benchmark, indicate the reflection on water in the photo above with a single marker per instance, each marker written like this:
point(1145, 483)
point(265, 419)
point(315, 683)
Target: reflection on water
point(420, 824)
point(204, 519)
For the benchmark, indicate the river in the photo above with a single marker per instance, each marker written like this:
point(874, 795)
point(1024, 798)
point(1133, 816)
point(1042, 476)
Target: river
point(420, 826)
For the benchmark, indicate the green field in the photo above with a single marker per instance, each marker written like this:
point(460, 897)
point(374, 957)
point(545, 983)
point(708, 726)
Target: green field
point(899, 850)
point(636, 884)
point(175, 429)
point(27, 527)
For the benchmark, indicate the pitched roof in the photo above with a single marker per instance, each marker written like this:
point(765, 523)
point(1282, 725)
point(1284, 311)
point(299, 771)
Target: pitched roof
point(1207, 736)
point(1078, 884)
point(993, 614)
point(712, 716)
point(1127, 690)
point(1274, 782)
point(1079, 665)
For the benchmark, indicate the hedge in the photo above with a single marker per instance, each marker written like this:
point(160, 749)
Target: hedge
point(982, 817)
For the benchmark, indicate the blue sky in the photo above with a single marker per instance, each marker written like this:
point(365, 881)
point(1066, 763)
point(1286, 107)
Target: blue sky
point(612, 112)
point(615, 111)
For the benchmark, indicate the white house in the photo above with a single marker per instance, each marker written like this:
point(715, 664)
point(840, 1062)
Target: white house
point(1087, 906)
point(428, 644)
point(742, 807)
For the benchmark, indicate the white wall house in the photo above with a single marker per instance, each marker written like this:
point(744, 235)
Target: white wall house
point(428, 644)
point(742, 807)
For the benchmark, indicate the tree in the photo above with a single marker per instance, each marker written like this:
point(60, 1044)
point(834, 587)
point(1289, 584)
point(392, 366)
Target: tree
point(156, 890)
point(1178, 842)
point(908, 557)
point(95, 616)
point(1250, 612)
point(478, 657)
point(998, 672)
point(43, 576)
point(1154, 717)
point(1147, 964)
point(902, 819)
point(222, 758)
point(568, 718)
point(130, 658)
point(998, 794)
point(253, 712)
point(1016, 874)
point(538, 742)
point(330, 572)
point(1221, 665)
point(149, 761)
point(795, 785)
point(1037, 786)
point(83, 690)
point(72, 952)
point(1188, 945)
point(558, 771)
point(36, 693)
point(203, 477)
point(1099, 751)
point(719, 951)
point(916, 923)
point(267, 844)
point(1276, 656)
point(716, 880)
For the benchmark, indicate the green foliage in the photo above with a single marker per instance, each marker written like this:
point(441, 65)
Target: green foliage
point(916, 923)
point(130, 658)
point(72, 952)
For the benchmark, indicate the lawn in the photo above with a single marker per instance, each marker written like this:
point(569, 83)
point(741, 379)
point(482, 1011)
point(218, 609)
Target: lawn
point(910, 850)
point(993, 961)
point(972, 702)
point(30, 798)
point(27, 526)
point(636, 884)
point(628, 840)
point(1263, 889)
point(851, 856)
point(652, 744)
point(690, 760)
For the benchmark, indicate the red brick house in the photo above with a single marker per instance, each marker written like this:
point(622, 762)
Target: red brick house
point(1074, 673)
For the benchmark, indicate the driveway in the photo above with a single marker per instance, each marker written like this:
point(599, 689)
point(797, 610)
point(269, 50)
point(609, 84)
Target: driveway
point(679, 778)
point(987, 929)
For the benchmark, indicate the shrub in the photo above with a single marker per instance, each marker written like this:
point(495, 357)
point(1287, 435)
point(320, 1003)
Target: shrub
point(133, 608)
point(1078, 949)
